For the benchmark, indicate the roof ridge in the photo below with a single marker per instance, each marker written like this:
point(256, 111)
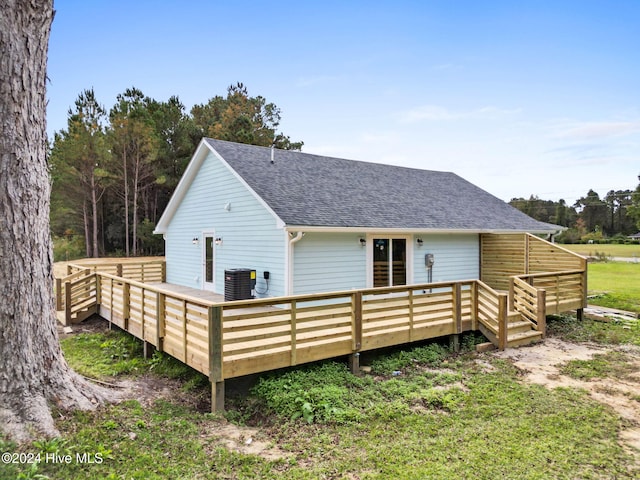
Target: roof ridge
point(309, 154)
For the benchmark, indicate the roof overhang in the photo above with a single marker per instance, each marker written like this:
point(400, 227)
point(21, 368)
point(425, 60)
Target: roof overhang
point(423, 231)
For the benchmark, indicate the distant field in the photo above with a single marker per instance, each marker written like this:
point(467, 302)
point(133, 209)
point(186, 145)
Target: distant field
point(611, 250)
point(618, 282)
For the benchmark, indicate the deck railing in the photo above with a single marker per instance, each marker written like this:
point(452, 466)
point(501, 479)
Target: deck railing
point(174, 323)
point(143, 270)
point(231, 339)
point(564, 290)
point(492, 312)
point(76, 295)
point(529, 301)
point(251, 336)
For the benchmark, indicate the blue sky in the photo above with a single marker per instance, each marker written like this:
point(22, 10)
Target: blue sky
point(519, 97)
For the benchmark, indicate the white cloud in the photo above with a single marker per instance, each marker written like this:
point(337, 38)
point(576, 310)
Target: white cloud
point(590, 130)
point(439, 113)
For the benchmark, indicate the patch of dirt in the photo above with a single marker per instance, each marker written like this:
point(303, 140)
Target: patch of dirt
point(541, 364)
point(245, 440)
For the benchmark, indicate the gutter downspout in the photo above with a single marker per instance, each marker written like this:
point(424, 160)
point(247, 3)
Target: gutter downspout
point(292, 241)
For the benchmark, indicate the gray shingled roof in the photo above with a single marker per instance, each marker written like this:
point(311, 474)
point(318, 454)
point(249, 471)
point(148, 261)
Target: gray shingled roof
point(312, 190)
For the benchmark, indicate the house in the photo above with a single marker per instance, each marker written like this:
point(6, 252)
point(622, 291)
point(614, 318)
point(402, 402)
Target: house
point(308, 223)
point(635, 236)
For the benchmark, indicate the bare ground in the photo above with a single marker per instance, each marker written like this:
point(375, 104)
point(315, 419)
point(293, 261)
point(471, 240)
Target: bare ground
point(541, 364)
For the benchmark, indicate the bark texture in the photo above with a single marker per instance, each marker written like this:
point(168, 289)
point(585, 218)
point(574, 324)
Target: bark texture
point(33, 373)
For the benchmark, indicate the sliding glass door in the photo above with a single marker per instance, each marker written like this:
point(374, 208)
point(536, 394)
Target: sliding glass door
point(389, 262)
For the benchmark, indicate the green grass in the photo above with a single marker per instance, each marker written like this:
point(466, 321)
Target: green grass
point(113, 353)
point(609, 250)
point(617, 285)
point(424, 412)
point(105, 354)
point(606, 333)
point(610, 365)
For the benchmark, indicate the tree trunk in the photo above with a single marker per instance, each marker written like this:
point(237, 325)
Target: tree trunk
point(85, 218)
point(135, 205)
point(94, 212)
point(33, 372)
point(126, 201)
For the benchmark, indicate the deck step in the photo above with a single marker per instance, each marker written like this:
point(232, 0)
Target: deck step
point(523, 338)
point(513, 316)
point(515, 337)
point(519, 327)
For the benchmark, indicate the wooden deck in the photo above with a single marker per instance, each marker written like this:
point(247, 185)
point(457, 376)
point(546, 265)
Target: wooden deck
point(231, 339)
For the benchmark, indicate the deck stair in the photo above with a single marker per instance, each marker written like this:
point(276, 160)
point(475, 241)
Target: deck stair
point(76, 297)
point(520, 331)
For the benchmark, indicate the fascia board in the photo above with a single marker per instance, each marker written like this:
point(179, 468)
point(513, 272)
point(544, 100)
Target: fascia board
point(307, 228)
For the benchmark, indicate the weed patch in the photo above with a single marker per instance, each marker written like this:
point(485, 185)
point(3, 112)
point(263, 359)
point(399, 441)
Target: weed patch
point(431, 354)
point(614, 364)
point(569, 328)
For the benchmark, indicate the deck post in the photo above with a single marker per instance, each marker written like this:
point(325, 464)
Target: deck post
point(474, 306)
point(216, 376)
point(542, 311)
point(526, 253)
point(454, 342)
point(184, 330)
point(98, 290)
point(410, 315)
point(126, 304)
point(142, 319)
point(147, 349)
point(67, 303)
point(356, 305)
point(354, 363)
point(58, 294)
point(119, 270)
point(503, 321)
point(580, 311)
point(512, 293)
point(160, 301)
point(163, 271)
point(457, 306)
point(293, 359)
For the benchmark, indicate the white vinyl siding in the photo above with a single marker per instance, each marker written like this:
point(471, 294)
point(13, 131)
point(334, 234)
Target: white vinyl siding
point(456, 257)
point(325, 262)
point(250, 235)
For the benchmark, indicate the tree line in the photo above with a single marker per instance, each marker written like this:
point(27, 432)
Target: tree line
point(113, 171)
point(591, 218)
